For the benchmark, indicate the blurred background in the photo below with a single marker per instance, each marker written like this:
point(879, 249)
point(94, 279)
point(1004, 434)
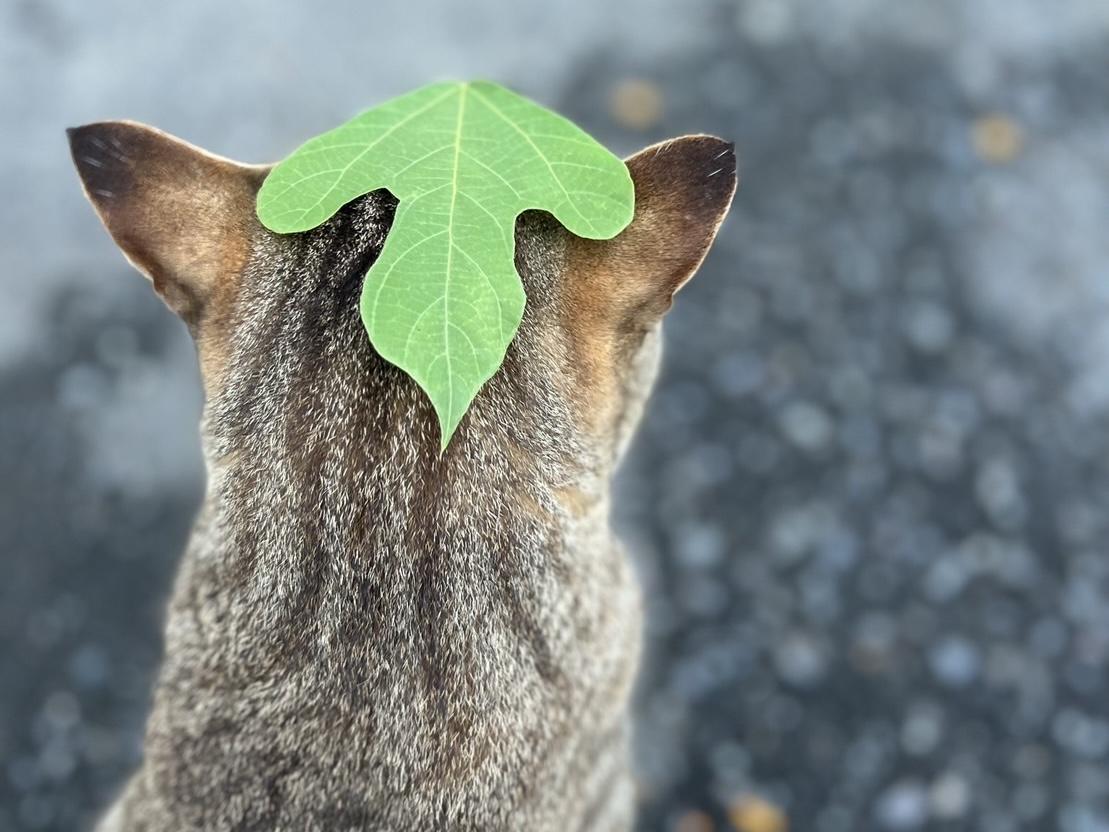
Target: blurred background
point(870, 503)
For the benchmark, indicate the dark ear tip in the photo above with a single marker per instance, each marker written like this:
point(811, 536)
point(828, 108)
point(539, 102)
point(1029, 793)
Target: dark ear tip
point(103, 158)
point(690, 159)
point(716, 154)
point(75, 135)
point(710, 161)
point(81, 136)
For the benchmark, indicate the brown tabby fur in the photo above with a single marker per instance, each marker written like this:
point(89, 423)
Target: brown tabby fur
point(366, 634)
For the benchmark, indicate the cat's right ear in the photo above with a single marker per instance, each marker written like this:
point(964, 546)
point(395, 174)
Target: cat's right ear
point(182, 216)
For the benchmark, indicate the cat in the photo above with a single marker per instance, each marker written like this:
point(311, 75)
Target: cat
point(366, 634)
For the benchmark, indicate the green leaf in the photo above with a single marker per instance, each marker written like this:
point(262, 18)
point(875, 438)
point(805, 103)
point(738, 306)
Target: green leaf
point(443, 301)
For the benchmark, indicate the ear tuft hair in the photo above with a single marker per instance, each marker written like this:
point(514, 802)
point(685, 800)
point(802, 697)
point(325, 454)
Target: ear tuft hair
point(100, 156)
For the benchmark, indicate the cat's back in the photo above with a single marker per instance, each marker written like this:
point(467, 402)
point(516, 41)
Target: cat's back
point(429, 641)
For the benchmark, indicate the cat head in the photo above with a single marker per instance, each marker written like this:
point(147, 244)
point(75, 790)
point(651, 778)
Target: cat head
point(287, 366)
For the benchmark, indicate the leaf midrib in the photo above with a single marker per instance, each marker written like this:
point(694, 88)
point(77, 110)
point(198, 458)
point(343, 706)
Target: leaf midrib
point(450, 247)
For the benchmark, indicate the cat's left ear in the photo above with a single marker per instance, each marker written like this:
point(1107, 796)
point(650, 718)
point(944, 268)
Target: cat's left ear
point(182, 216)
point(683, 189)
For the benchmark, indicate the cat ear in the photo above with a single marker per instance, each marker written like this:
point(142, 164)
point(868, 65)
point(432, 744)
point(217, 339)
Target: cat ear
point(683, 188)
point(182, 216)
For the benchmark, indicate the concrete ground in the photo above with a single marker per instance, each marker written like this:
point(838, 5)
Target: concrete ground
point(870, 503)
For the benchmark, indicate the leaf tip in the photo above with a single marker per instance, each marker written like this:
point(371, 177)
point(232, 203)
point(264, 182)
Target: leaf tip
point(448, 425)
